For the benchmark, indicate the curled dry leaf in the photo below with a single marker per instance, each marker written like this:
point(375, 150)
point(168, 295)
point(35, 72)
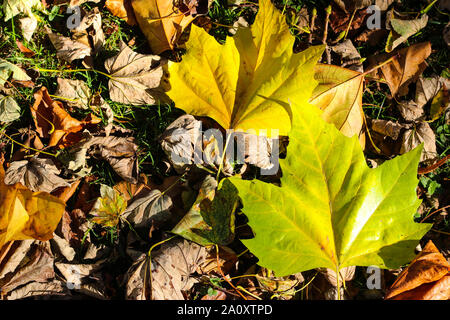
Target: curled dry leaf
point(339, 95)
point(161, 22)
point(35, 266)
point(37, 174)
point(180, 140)
point(426, 278)
point(9, 109)
point(119, 152)
point(53, 122)
point(284, 287)
point(420, 133)
point(68, 49)
point(90, 28)
point(172, 268)
point(349, 56)
point(135, 78)
point(11, 8)
point(28, 25)
point(407, 65)
point(122, 9)
point(403, 29)
point(25, 214)
point(7, 70)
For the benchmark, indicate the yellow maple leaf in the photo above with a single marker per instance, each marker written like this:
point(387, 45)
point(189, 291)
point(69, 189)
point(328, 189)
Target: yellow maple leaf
point(25, 214)
point(248, 82)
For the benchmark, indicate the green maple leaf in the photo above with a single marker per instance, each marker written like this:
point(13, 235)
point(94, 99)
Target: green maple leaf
point(332, 210)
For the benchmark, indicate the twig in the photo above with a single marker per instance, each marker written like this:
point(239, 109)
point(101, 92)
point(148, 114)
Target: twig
point(313, 21)
point(433, 166)
point(325, 34)
point(223, 275)
point(440, 209)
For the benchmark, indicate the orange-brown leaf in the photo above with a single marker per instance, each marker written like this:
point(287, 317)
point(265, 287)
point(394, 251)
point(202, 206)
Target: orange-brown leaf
point(421, 276)
point(122, 9)
point(54, 122)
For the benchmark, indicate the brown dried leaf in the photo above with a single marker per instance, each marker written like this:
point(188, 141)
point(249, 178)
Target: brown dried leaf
point(135, 78)
point(420, 133)
point(171, 268)
point(52, 121)
point(429, 267)
point(68, 49)
point(406, 66)
point(37, 174)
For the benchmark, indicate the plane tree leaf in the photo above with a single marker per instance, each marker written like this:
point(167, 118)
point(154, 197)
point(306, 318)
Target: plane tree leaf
point(332, 210)
point(134, 78)
point(9, 109)
point(211, 218)
point(8, 69)
point(339, 95)
point(25, 214)
point(241, 83)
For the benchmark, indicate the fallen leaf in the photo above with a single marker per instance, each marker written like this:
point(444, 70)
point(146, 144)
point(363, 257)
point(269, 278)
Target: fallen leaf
point(134, 78)
point(108, 208)
point(161, 22)
point(325, 175)
point(350, 5)
point(194, 7)
point(180, 140)
point(429, 267)
point(211, 218)
point(339, 95)
point(37, 266)
point(403, 29)
point(53, 122)
point(283, 287)
point(33, 289)
point(12, 8)
point(406, 66)
point(28, 25)
point(9, 109)
point(122, 9)
point(420, 133)
point(26, 52)
point(91, 26)
point(7, 69)
point(345, 274)
point(68, 49)
point(242, 97)
point(410, 110)
point(349, 56)
point(388, 128)
point(25, 214)
point(171, 270)
point(37, 174)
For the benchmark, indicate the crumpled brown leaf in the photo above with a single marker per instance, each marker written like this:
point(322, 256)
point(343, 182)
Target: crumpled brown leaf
point(346, 274)
point(77, 94)
point(403, 29)
point(172, 267)
point(151, 208)
point(53, 122)
point(119, 152)
point(90, 28)
point(28, 261)
point(420, 133)
point(426, 278)
point(37, 174)
point(350, 57)
point(135, 78)
point(68, 49)
point(407, 65)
